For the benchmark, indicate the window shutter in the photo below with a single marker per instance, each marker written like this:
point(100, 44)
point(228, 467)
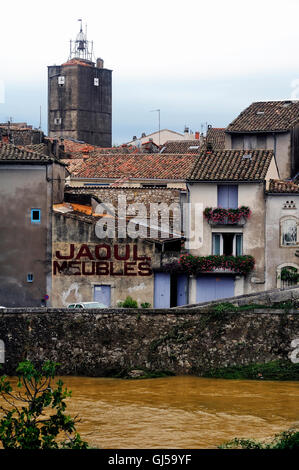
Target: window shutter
point(233, 197)
point(216, 244)
point(239, 244)
point(228, 196)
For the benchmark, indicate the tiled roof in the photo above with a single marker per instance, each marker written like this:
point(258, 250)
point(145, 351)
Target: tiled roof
point(234, 165)
point(265, 116)
point(141, 166)
point(278, 186)
point(73, 164)
point(216, 137)
point(78, 62)
point(11, 153)
point(79, 149)
point(181, 146)
point(71, 146)
point(38, 148)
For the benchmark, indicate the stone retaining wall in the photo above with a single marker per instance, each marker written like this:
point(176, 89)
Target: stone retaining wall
point(109, 342)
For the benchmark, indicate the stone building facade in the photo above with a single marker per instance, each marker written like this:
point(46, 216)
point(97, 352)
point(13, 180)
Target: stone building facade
point(87, 266)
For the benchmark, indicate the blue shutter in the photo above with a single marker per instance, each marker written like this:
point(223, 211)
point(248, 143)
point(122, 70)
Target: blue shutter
point(216, 244)
point(182, 289)
point(233, 197)
point(228, 196)
point(223, 196)
point(239, 244)
point(162, 290)
point(102, 294)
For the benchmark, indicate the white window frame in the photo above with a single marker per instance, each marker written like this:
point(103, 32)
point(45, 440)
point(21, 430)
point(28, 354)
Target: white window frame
point(282, 220)
point(61, 80)
point(234, 242)
point(278, 272)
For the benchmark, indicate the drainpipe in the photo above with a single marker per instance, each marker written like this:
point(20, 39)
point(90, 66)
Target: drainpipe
point(275, 143)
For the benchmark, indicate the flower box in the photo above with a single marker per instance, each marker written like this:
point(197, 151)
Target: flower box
point(220, 216)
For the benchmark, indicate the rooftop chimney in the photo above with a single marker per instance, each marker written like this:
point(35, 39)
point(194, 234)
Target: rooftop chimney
point(100, 63)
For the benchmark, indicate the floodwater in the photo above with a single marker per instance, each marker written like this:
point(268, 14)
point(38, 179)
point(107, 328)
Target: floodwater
point(179, 412)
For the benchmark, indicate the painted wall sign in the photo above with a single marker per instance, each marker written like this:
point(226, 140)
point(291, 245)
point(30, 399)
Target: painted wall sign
point(102, 260)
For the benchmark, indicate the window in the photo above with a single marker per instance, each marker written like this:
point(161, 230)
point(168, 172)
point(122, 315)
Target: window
point(35, 216)
point(228, 196)
point(289, 232)
point(287, 275)
point(227, 244)
point(29, 277)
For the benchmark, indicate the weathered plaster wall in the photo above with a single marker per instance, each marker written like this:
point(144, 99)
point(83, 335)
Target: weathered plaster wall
point(251, 195)
point(277, 255)
point(133, 279)
point(24, 246)
point(103, 343)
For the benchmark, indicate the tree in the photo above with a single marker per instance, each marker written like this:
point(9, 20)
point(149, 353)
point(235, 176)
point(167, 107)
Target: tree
point(35, 418)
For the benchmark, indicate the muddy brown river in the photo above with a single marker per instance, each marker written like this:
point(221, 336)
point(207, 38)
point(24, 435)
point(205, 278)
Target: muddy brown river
point(179, 412)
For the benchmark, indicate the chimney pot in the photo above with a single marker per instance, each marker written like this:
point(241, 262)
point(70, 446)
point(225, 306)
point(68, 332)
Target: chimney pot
point(100, 63)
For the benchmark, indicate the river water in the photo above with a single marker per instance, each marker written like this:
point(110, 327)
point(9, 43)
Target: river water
point(179, 412)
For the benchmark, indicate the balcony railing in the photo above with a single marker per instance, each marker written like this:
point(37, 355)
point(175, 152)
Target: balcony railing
point(220, 216)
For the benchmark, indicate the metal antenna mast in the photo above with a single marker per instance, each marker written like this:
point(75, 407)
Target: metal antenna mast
point(158, 111)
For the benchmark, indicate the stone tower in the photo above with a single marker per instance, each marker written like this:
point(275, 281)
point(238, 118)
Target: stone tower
point(80, 96)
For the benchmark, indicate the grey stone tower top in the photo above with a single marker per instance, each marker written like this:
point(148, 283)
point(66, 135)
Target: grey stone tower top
point(80, 96)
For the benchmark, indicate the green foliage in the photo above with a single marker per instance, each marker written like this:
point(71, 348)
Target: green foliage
point(197, 264)
point(145, 305)
point(289, 274)
point(128, 303)
point(36, 414)
point(274, 370)
point(286, 440)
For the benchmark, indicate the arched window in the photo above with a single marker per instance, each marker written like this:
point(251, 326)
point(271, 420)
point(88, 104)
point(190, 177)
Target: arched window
point(289, 232)
point(287, 275)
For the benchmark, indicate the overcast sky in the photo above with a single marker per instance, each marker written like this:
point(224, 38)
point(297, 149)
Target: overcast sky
point(197, 61)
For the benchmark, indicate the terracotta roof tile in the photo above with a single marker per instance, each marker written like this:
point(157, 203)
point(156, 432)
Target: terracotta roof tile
point(279, 186)
point(266, 116)
point(182, 146)
point(232, 165)
point(142, 166)
point(216, 137)
point(12, 153)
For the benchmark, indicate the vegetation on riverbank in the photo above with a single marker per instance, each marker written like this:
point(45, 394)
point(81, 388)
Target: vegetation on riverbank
point(288, 440)
point(274, 370)
point(227, 307)
point(34, 417)
point(143, 374)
